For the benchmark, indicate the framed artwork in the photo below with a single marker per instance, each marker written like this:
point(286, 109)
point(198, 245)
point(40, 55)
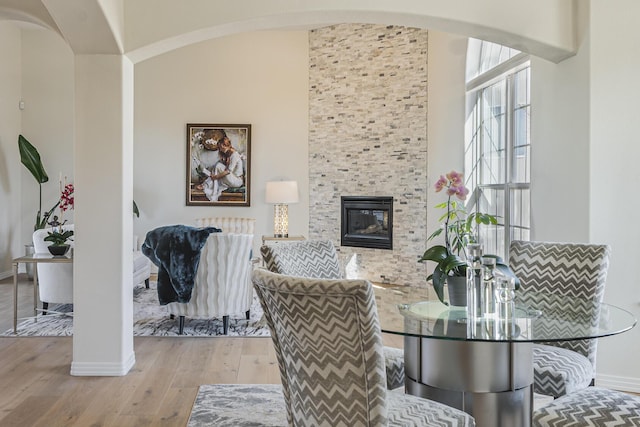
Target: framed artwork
point(218, 165)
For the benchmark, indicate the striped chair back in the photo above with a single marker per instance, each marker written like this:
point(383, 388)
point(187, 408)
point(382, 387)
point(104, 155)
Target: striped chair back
point(329, 347)
point(571, 269)
point(228, 224)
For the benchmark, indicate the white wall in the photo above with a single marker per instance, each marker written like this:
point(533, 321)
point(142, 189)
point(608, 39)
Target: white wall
point(614, 154)
point(584, 163)
point(544, 26)
point(47, 119)
point(560, 138)
point(36, 67)
point(10, 124)
point(445, 109)
point(257, 78)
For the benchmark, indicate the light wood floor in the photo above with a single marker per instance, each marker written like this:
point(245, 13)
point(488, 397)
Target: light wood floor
point(37, 389)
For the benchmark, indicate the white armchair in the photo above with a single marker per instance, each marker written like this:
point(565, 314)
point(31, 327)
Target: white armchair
point(55, 280)
point(223, 281)
point(228, 224)
point(141, 265)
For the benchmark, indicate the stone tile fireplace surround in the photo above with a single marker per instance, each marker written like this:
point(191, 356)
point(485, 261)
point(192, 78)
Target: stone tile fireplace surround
point(368, 137)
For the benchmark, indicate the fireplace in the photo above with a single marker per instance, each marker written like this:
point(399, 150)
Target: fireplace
point(367, 222)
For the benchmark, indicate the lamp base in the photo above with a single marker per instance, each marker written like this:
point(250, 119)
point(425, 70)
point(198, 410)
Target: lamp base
point(280, 236)
point(281, 220)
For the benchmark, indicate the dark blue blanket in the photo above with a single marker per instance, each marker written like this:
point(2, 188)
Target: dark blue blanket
point(175, 249)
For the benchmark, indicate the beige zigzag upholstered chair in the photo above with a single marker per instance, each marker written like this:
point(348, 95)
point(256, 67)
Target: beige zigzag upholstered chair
point(329, 348)
point(319, 259)
point(574, 270)
point(590, 407)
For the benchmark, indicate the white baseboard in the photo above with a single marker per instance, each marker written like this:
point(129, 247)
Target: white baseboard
point(618, 383)
point(94, 369)
point(5, 274)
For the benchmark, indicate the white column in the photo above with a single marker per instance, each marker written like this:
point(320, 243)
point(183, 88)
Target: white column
point(103, 301)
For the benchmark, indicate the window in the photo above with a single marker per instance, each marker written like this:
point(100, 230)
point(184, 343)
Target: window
point(498, 143)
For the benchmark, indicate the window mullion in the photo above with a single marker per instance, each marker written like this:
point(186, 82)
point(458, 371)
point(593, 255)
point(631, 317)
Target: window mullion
point(508, 159)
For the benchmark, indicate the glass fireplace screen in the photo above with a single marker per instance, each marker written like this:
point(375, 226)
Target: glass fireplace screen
point(367, 222)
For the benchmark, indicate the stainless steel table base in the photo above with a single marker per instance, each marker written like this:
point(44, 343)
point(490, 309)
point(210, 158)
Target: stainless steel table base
point(492, 381)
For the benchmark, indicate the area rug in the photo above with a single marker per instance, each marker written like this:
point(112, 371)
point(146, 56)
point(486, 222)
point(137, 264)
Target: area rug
point(244, 405)
point(239, 405)
point(151, 319)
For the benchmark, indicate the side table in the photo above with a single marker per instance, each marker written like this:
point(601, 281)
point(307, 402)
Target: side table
point(32, 259)
point(271, 239)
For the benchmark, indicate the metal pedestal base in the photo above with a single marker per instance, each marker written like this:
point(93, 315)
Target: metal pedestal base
point(511, 408)
point(492, 381)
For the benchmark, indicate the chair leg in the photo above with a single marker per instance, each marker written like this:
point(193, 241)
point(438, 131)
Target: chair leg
point(146, 283)
point(45, 308)
point(181, 328)
point(225, 324)
point(248, 313)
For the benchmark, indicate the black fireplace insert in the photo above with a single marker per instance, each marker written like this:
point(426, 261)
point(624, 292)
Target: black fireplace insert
point(367, 222)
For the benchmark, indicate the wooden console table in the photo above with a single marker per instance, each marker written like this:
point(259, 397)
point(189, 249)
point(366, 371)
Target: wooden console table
point(32, 259)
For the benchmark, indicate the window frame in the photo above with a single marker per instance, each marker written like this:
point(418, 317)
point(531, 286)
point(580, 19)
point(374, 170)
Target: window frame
point(475, 141)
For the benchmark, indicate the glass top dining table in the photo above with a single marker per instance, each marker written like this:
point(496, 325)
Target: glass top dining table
point(538, 317)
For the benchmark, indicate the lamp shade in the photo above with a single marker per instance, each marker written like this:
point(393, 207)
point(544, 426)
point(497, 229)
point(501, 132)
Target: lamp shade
point(282, 192)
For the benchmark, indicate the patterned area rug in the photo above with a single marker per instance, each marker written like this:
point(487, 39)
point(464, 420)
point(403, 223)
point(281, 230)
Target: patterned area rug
point(239, 405)
point(150, 319)
point(244, 405)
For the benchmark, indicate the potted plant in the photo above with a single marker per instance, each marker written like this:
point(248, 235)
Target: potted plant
point(458, 227)
point(58, 237)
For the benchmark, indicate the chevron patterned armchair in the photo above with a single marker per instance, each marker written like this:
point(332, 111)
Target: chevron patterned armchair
point(328, 343)
point(319, 259)
point(574, 270)
point(305, 258)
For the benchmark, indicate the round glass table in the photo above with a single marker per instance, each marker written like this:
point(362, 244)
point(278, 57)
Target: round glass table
point(484, 365)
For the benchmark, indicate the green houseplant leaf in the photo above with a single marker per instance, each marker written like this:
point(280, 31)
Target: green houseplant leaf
point(446, 263)
point(439, 279)
point(30, 158)
point(59, 237)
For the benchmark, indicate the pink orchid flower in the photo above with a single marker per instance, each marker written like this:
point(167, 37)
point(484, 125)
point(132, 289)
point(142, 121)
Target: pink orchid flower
point(441, 183)
point(462, 192)
point(456, 178)
point(66, 198)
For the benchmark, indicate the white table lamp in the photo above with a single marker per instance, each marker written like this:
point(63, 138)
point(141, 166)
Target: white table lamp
point(281, 193)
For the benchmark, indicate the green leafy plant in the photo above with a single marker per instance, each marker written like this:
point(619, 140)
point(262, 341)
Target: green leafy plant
point(30, 158)
point(59, 237)
point(459, 229)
